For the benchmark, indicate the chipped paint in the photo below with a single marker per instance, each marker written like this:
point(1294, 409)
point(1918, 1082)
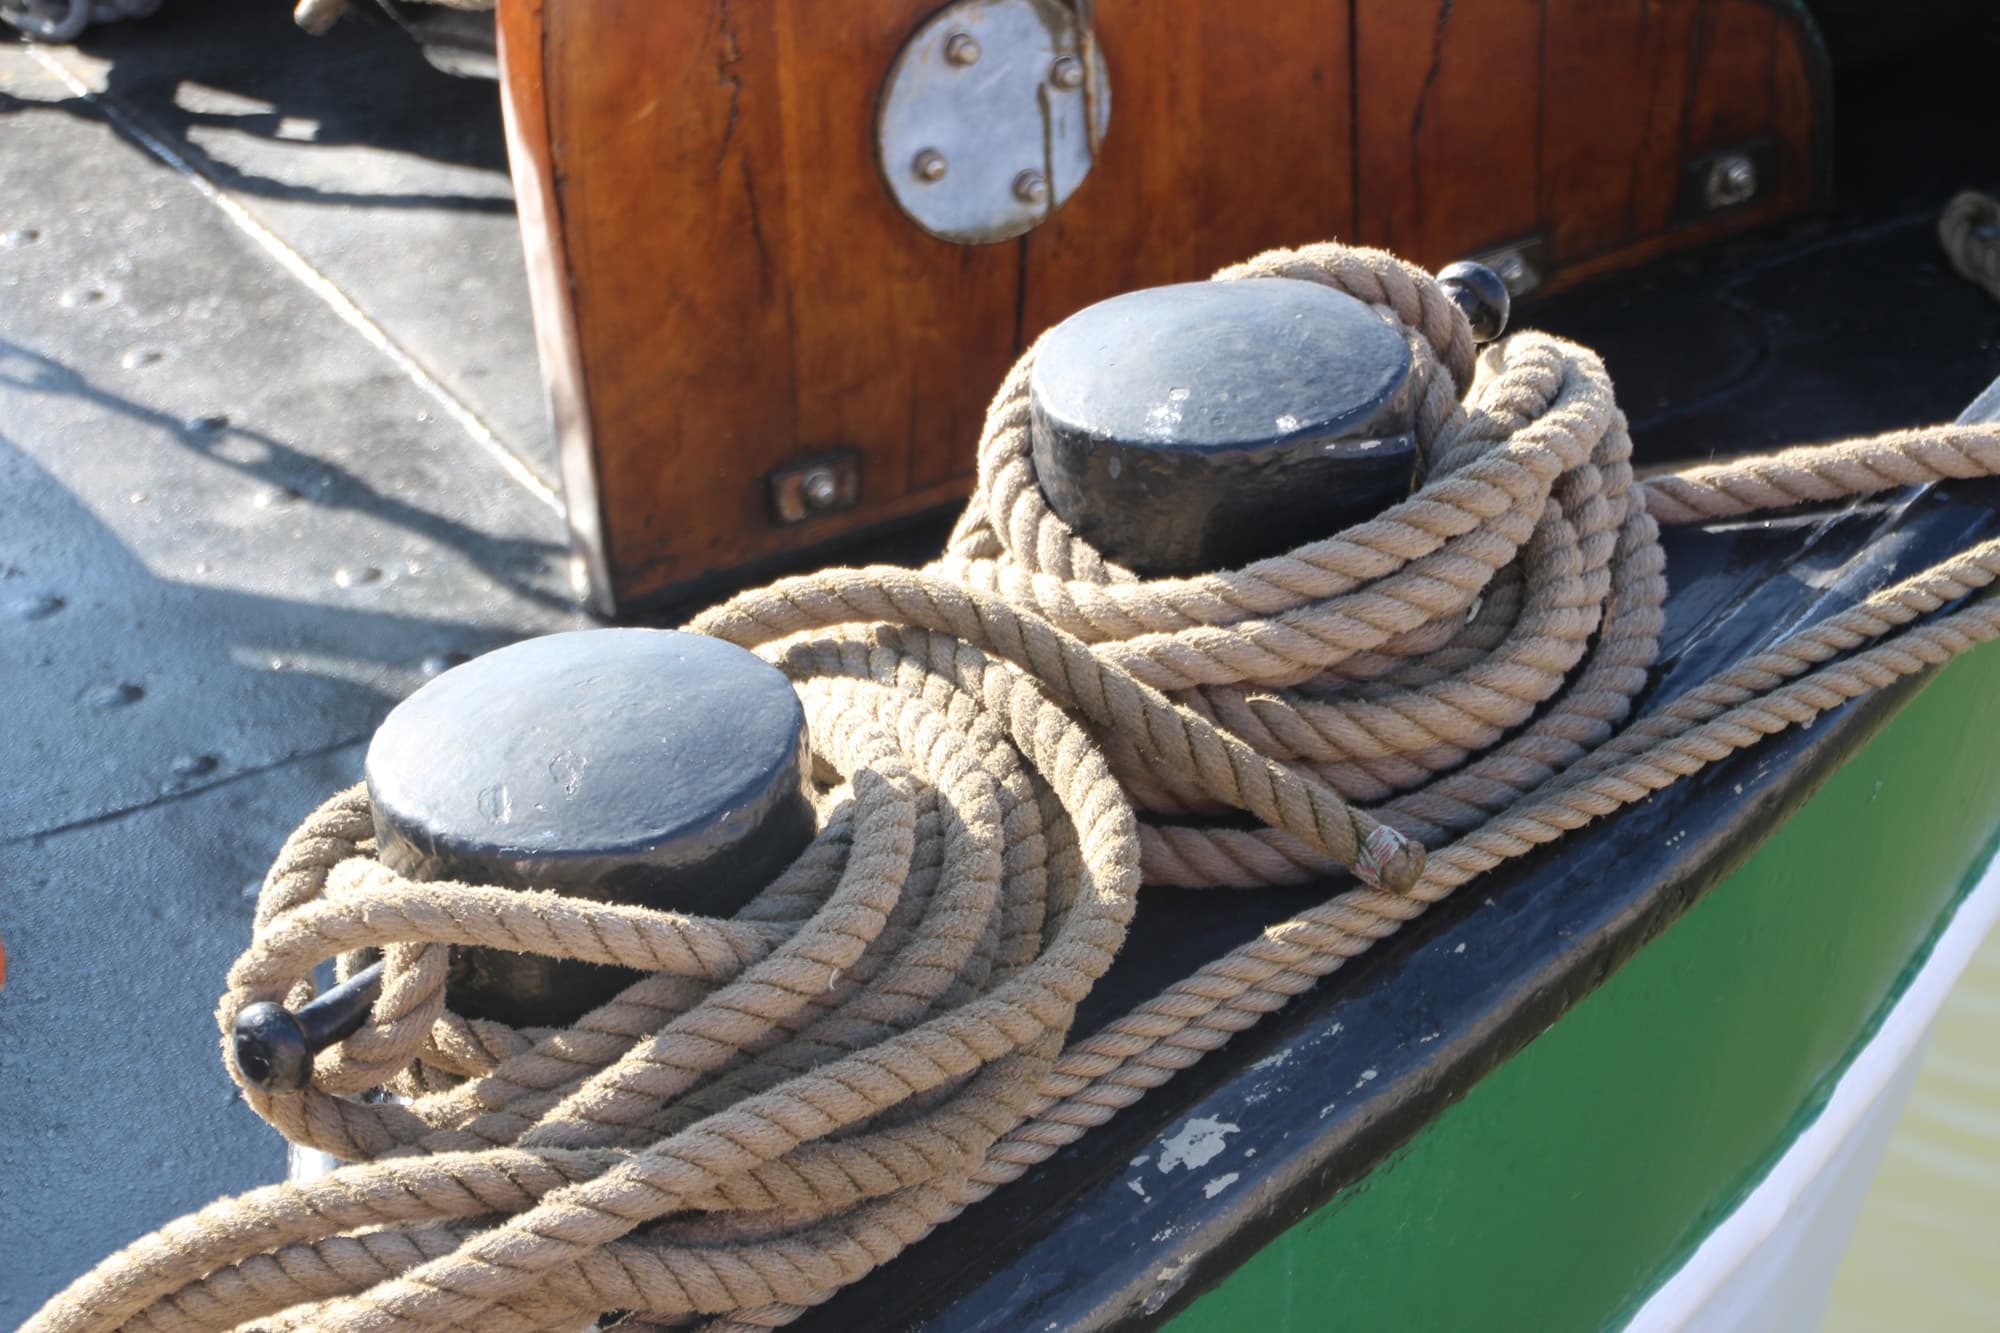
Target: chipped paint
point(1199, 1142)
point(1167, 1281)
point(1219, 1184)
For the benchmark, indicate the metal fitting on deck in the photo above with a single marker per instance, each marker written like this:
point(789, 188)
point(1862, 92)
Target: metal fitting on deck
point(636, 766)
point(1209, 424)
point(651, 767)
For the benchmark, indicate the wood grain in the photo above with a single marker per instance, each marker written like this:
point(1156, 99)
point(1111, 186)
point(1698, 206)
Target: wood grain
point(741, 292)
point(1449, 98)
point(1193, 102)
point(1601, 183)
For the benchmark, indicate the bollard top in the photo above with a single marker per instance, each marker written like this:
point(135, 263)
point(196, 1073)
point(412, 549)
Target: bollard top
point(1202, 425)
point(571, 759)
point(1221, 366)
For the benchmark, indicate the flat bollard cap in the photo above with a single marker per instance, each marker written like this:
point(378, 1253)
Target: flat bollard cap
point(1208, 424)
point(651, 767)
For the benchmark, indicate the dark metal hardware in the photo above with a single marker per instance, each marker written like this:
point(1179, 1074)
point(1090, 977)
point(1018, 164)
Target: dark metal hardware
point(1726, 180)
point(1205, 425)
point(650, 767)
point(274, 1046)
point(1478, 292)
point(819, 486)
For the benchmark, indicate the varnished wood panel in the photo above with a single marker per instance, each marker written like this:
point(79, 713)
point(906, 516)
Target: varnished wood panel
point(1602, 184)
point(1732, 98)
point(867, 289)
point(1193, 101)
point(668, 153)
point(1449, 97)
point(550, 289)
point(741, 293)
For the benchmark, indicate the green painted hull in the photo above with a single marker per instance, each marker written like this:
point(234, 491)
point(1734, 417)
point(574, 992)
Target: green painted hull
point(1573, 1179)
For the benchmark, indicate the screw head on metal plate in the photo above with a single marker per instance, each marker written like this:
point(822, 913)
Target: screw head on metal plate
point(962, 48)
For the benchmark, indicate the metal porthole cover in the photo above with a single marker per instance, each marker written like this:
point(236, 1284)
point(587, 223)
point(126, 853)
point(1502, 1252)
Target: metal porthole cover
point(990, 118)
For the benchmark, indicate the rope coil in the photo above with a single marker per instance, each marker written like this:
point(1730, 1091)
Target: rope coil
point(1006, 743)
point(1969, 231)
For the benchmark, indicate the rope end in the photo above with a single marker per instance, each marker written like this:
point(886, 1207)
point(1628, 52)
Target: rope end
point(1388, 860)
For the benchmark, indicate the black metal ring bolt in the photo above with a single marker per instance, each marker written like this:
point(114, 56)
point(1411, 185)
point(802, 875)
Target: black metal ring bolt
point(650, 767)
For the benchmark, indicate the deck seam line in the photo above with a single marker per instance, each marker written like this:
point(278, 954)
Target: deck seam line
point(318, 284)
point(167, 798)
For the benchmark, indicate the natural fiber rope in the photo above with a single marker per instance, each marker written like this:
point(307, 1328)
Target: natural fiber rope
point(1969, 230)
point(791, 1097)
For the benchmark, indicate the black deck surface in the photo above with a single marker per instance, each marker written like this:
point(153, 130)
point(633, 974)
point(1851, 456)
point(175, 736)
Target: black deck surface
point(271, 450)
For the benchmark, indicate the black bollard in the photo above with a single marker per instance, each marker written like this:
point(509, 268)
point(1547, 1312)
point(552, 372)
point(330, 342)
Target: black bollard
point(638, 766)
point(623, 765)
point(1205, 425)
point(275, 1047)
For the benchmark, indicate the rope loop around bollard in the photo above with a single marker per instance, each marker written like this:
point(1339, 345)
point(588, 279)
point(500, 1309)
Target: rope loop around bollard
point(1006, 742)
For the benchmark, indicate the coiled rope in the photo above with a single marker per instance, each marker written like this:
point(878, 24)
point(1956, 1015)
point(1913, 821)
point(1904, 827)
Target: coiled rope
point(1969, 231)
point(882, 1037)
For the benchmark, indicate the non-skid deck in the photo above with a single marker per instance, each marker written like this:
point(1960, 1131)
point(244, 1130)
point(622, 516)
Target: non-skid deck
point(271, 451)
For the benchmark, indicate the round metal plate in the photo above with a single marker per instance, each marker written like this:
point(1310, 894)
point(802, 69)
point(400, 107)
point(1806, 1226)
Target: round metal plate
point(990, 117)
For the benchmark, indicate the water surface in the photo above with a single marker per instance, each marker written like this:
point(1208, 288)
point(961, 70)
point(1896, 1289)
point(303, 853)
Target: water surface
point(1926, 1251)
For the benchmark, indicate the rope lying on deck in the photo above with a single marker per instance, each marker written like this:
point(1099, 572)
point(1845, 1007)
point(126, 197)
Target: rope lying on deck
point(882, 1037)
